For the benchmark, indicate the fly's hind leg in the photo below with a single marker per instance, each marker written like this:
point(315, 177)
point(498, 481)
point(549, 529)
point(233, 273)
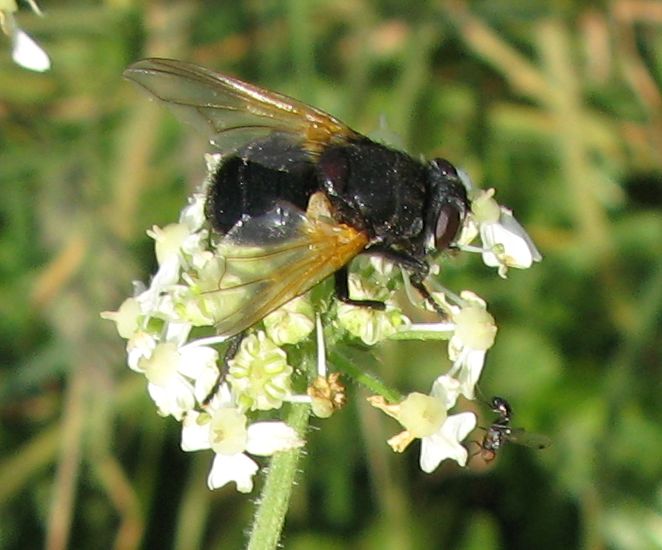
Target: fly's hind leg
point(342, 292)
point(230, 352)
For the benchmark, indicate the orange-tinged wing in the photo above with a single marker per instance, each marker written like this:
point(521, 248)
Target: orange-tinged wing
point(299, 251)
point(234, 113)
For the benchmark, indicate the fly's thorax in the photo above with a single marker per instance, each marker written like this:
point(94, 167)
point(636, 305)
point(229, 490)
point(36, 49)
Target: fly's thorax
point(376, 189)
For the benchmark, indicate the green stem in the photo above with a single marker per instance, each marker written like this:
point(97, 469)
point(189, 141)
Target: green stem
point(275, 498)
point(423, 335)
point(363, 377)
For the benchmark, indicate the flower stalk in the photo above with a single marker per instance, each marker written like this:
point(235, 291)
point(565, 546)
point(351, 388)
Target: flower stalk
point(279, 481)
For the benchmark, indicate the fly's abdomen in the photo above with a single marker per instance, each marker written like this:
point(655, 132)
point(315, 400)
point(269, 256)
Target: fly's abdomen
point(241, 188)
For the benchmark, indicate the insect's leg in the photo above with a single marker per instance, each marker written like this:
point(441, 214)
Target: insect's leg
point(476, 452)
point(406, 260)
point(230, 352)
point(342, 292)
point(417, 283)
point(418, 270)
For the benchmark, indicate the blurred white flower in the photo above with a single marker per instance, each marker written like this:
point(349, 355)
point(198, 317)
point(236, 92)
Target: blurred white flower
point(224, 428)
point(179, 377)
point(425, 417)
point(25, 51)
point(291, 323)
point(505, 242)
point(369, 324)
point(475, 331)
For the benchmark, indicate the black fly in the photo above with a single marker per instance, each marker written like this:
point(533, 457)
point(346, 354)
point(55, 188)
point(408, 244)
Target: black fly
point(297, 194)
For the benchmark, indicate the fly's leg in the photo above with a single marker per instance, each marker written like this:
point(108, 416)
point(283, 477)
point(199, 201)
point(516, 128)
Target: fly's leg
point(418, 270)
point(417, 283)
point(230, 352)
point(342, 292)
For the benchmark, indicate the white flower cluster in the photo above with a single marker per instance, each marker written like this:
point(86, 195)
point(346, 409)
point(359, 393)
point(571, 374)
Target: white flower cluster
point(25, 51)
point(505, 242)
point(470, 332)
point(182, 372)
point(171, 339)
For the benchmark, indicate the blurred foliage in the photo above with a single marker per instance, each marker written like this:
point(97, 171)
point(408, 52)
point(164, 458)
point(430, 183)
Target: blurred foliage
point(556, 104)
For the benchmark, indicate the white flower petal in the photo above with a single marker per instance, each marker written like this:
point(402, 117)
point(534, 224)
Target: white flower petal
point(473, 299)
point(507, 244)
point(168, 241)
point(193, 215)
point(266, 438)
point(27, 53)
point(204, 383)
point(222, 398)
point(139, 347)
point(153, 300)
point(510, 223)
point(175, 399)
point(516, 252)
point(195, 434)
point(446, 443)
point(470, 367)
point(227, 468)
point(447, 389)
point(167, 274)
point(177, 332)
point(195, 360)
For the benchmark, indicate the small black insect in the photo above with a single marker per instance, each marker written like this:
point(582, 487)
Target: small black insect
point(303, 190)
point(500, 431)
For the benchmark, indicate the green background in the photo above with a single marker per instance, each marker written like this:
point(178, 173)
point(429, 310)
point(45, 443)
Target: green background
point(556, 104)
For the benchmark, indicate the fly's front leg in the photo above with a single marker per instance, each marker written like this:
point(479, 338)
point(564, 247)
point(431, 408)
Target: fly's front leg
point(418, 271)
point(417, 282)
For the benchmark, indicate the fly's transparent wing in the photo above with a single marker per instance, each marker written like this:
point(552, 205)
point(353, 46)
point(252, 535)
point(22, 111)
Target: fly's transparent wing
point(295, 252)
point(233, 113)
point(528, 439)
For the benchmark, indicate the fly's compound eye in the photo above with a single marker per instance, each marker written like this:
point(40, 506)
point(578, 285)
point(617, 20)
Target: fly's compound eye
point(448, 225)
point(446, 169)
